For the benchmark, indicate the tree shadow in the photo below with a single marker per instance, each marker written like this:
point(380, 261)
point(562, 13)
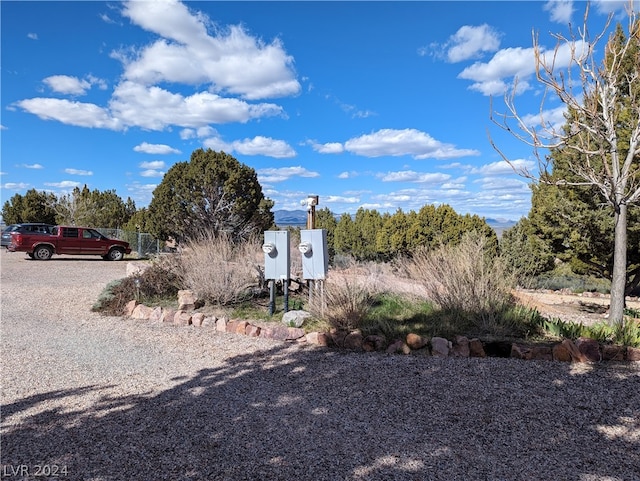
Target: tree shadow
point(293, 413)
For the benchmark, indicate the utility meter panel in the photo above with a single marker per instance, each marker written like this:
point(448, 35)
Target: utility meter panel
point(315, 257)
point(277, 261)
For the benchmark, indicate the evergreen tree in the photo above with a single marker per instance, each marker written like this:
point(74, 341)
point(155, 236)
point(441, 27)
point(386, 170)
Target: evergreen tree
point(33, 206)
point(211, 193)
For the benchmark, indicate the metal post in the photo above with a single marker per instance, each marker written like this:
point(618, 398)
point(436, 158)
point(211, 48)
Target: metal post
point(285, 284)
point(272, 297)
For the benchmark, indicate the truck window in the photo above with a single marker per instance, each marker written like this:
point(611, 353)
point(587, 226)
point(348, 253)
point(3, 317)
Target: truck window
point(70, 232)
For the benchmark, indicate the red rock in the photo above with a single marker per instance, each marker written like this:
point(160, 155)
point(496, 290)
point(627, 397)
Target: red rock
point(476, 349)
point(141, 312)
point(129, 307)
point(186, 300)
point(415, 341)
point(252, 331)
point(460, 347)
point(156, 315)
point(197, 318)
point(633, 354)
point(590, 349)
point(398, 347)
point(182, 318)
point(561, 353)
point(317, 338)
point(613, 353)
point(373, 343)
point(353, 341)
point(168, 315)
point(338, 337)
point(541, 353)
point(221, 324)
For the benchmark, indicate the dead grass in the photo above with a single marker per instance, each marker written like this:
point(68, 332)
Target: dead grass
point(219, 271)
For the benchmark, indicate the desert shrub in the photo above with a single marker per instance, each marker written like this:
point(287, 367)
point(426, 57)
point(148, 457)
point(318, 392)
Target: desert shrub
point(464, 280)
point(345, 298)
point(626, 334)
point(220, 271)
point(156, 284)
point(563, 277)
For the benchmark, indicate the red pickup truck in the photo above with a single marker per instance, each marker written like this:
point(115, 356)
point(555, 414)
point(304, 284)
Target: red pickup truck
point(68, 240)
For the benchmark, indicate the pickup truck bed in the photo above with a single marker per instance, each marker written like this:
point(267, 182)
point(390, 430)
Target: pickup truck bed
point(68, 240)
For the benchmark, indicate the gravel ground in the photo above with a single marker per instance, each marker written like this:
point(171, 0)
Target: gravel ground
point(87, 397)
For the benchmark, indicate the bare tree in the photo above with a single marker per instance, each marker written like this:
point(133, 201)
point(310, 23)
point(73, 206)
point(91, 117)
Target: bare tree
point(602, 127)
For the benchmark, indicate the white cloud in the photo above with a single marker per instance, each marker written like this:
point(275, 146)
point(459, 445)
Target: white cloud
point(328, 148)
point(258, 145)
point(510, 63)
point(66, 84)
point(230, 59)
point(417, 177)
point(78, 172)
point(415, 143)
point(32, 166)
point(65, 184)
point(32, 36)
point(155, 108)
point(470, 42)
point(560, 11)
point(156, 149)
point(335, 199)
point(15, 185)
point(502, 167)
point(155, 165)
point(151, 173)
point(71, 113)
point(227, 62)
point(281, 174)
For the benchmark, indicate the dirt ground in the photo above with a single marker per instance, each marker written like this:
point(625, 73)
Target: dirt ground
point(587, 308)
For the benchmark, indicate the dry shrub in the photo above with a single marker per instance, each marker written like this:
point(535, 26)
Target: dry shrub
point(464, 279)
point(345, 298)
point(220, 271)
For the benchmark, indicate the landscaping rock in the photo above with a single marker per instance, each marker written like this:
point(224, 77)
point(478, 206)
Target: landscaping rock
point(197, 319)
point(613, 353)
point(318, 338)
point(252, 331)
point(295, 318)
point(633, 354)
point(561, 353)
point(398, 347)
point(590, 349)
point(415, 341)
point(221, 324)
point(440, 347)
point(129, 307)
point(168, 315)
point(282, 333)
point(460, 347)
point(476, 349)
point(374, 343)
point(353, 341)
point(156, 315)
point(141, 312)
point(337, 337)
point(182, 318)
point(187, 300)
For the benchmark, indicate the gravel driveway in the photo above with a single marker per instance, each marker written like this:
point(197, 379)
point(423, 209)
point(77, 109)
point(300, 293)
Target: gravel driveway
point(87, 397)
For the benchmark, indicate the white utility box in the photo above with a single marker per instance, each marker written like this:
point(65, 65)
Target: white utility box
point(315, 257)
point(277, 261)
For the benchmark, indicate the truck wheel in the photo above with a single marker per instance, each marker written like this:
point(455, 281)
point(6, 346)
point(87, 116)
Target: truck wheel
point(115, 255)
point(42, 253)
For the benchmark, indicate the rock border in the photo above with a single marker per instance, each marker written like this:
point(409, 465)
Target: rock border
point(582, 350)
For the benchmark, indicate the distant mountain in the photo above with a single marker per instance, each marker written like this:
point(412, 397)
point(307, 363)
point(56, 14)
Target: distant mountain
point(284, 218)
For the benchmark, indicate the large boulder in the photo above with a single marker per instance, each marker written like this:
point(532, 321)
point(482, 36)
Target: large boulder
point(295, 318)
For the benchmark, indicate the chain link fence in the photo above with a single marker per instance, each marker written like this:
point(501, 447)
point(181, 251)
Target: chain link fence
point(142, 243)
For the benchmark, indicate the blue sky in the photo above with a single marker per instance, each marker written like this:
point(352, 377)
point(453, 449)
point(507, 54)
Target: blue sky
point(382, 105)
